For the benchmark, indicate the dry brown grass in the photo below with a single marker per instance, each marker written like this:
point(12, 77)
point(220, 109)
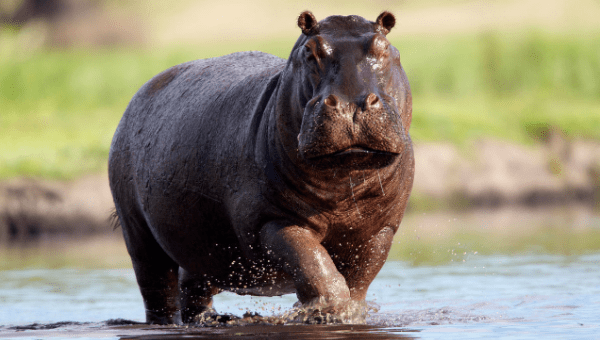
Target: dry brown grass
point(195, 22)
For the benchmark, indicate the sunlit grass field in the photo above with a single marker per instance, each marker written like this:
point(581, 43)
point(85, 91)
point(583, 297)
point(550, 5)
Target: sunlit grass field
point(59, 108)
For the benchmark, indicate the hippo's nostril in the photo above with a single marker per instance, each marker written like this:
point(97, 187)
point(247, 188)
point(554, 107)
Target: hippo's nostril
point(372, 101)
point(331, 101)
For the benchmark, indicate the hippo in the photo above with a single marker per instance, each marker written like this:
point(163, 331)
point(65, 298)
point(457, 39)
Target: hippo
point(259, 175)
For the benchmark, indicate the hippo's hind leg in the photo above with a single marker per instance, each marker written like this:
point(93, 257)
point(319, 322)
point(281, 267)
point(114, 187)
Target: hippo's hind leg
point(195, 296)
point(155, 271)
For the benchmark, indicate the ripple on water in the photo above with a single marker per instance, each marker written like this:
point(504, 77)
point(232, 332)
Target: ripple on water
point(521, 296)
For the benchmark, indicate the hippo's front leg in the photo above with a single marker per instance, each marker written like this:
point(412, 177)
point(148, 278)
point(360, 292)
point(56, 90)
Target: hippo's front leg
point(298, 251)
point(364, 265)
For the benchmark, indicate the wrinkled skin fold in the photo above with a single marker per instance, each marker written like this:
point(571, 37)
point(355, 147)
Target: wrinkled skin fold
point(264, 176)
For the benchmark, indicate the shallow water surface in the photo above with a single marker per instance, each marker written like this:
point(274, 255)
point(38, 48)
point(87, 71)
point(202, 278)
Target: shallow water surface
point(525, 297)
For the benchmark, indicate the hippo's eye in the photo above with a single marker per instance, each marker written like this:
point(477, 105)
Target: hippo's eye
point(317, 49)
point(313, 54)
point(309, 51)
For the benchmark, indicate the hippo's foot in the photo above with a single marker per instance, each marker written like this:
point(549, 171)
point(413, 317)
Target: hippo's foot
point(317, 312)
point(315, 317)
point(162, 318)
point(210, 318)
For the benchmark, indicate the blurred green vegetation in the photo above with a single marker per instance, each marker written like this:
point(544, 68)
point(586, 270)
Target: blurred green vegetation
point(505, 86)
point(458, 246)
point(107, 251)
point(452, 246)
point(59, 108)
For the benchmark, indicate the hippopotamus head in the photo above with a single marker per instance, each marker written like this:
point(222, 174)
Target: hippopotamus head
point(349, 99)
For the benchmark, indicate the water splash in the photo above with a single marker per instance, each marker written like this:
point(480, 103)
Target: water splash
point(316, 313)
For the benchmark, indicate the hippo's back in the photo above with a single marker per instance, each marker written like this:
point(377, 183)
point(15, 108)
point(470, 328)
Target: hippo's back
point(196, 92)
point(180, 141)
point(192, 107)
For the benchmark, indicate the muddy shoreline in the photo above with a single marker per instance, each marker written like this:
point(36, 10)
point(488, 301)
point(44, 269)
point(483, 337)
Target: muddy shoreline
point(487, 174)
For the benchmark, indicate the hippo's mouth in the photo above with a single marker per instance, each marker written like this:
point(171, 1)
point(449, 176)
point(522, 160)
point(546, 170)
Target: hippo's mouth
point(356, 151)
point(355, 157)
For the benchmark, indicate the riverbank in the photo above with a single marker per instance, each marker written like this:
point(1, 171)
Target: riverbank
point(493, 173)
point(424, 238)
point(490, 174)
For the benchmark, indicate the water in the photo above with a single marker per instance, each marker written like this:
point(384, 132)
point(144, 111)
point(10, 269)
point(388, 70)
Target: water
point(517, 297)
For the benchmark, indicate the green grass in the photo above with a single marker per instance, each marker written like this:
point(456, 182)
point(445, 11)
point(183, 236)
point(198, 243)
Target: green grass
point(59, 109)
point(501, 85)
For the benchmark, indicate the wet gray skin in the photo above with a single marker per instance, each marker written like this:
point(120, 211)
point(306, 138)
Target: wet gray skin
point(264, 176)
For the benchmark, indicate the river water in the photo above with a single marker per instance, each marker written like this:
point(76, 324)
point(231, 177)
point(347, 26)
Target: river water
point(517, 297)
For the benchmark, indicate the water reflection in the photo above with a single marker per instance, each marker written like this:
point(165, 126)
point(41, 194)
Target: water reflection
point(289, 332)
point(551, 287)
point(504, 295)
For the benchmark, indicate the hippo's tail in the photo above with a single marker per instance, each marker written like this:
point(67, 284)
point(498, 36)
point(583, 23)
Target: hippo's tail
point(113, 219)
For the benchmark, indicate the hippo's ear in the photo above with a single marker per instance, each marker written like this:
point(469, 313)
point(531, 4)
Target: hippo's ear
point(308, 24)
point(386, 21)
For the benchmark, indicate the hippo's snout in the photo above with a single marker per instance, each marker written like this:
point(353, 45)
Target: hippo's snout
point(349, 134)
point(370, 102)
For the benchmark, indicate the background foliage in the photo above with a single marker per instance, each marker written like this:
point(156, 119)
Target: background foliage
point(59, 105)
